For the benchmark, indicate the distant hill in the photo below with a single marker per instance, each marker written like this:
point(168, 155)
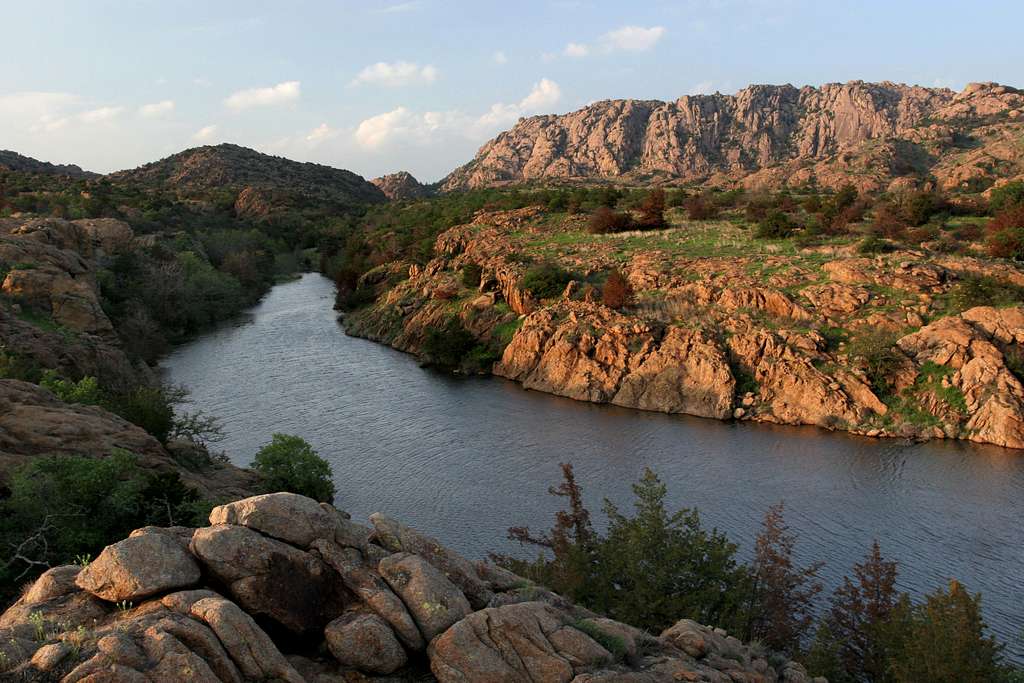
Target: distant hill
point(12, 161)
point(873, 135)
point(401, 185)
point(203, 170)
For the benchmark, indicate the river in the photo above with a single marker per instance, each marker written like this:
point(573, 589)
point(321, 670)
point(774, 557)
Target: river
point(465, 458)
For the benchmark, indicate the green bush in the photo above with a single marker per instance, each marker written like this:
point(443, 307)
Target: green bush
point(60, 507)
point(448, 345)
point(151, 408)
point(1007, 196)
point(289, 463)
point(471, 274)
point(86, 390)
point(776, 225)
point(876, 349)
point(982, 290)
point(15, 365)
point(546, 280)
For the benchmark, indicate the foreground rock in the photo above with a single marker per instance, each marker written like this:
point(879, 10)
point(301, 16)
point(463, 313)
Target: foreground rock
point(364, 608)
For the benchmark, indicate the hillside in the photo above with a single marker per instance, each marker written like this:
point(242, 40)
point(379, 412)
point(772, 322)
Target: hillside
point(401, 185)
point(202, 170)
point(872, 135)
point(19, 163)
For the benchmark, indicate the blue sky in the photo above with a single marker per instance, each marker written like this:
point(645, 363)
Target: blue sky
point(419, 85)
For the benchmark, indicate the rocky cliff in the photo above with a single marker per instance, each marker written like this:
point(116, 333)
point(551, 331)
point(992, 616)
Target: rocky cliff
point(401, 185)
point(726, 327)
point(282, 588)
point(869, 134)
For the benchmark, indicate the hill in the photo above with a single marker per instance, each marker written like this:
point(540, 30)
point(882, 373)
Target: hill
point(202, 170)
point(19, 163)
point(875, 136)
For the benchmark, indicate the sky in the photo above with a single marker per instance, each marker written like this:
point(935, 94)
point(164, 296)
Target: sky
point(420, 85)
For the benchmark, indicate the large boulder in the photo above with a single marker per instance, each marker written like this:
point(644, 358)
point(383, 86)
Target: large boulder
point(271, 578)
point(292, 518)
point(398, 537)
point(528, 641)
point(434, 601)
point(366, 642)
point(138, 567)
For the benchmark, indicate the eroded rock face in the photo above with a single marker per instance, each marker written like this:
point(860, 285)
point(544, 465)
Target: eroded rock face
point(434, 602)
point(401, 185)
point(765, 135)
point(365, 642)
point(291, 518)
point(138, 567)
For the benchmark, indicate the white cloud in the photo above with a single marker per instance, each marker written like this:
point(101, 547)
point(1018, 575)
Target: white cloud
point(100, 114)
point(401, 125)
point(500, 58)
point(156, 109)
point(264, 97)
point(400, 7)
point(576, 50)
point(625, 39)
point(205, 134)
point(633, 38)
point(321, 133)
point(396, 74)
point(35, 105)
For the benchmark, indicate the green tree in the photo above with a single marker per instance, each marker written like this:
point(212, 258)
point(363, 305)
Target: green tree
point(943, 640)
point(657, 567)
point(446, 346)
point(289, 463)
point(1007, 196)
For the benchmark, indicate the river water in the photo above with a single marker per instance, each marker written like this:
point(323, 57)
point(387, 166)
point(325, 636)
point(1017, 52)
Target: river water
point(465, 458)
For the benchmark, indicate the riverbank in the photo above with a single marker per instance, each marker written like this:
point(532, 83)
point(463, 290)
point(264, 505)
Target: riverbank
point(907, 344)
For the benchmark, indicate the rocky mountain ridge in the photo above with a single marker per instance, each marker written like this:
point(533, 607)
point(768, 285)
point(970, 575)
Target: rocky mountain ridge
point(401, 185)
point(12, 161)
point(279, 587)
point(872, 135)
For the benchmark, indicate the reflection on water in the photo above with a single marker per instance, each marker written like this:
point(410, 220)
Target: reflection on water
point(466, 458)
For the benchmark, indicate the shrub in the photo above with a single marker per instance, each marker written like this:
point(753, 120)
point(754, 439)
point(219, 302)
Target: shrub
point(917, 208)
point(151, 408)
point(605, 220)
point(700, 208)
point(447, 346)
point(15, 365)
point(289, 463)
point(881, 359)
point(1006, 234)
point(888, 222)
point(1007, 196)
point(471, 274)
point(652, 210)
point(616, 292)
point(546, 280)
point(86, 390)
point(776, 225)
point(875, 245)
point(981, 290)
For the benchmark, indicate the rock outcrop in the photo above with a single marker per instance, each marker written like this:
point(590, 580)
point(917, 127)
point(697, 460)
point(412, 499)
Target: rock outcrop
point(148, 609)
point(868, 134)
point(401, 185)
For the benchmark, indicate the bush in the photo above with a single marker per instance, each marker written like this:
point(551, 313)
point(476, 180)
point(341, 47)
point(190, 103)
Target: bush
point(700, 208)
point(60, 507)
point(605, 220)
point(776, 225)
point(289, 463)
point(881, 359)
point(888, 222)
point(546, 280)
point(917, 208)
point(448, 345)
point(1007, 196)
point(980, 290)
point(616, 292)
point(875, 245)
point(151, 408)
point(86, 390)
point(471, 274)
point(1006, 234)
point(652, 210)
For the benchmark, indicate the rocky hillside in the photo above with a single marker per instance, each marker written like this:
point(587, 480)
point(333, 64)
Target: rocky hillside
point(401, 185)
point(282, 588)
point(721, 325)
point(199, 171)
point(12, 161)
point(873, 135)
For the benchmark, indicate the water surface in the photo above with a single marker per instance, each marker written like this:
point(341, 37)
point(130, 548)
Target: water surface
point(464, 459)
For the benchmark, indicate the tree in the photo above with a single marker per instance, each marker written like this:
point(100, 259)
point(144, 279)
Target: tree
point(700, 208)
point(656, 567)
point(942, 640)
point(776, 225)
point(289, 463)
point(446, 346)
point(1007, 196)
point(652, 210)
point(861, 610)
point(783, 596)
point(1006, 234)
point(546, 280)
point(616, 292)
point(605, 220)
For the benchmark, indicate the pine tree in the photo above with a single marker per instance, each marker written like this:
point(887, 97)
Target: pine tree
point(783, 596)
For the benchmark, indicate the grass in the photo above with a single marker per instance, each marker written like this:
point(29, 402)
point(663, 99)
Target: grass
point(614, 644)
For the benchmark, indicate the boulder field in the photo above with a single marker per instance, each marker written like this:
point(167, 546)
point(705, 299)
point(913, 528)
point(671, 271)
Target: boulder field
point(737, 331)
point(282, 588)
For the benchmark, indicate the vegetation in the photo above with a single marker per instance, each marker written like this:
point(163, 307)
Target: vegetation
point(61, 507)
point(616, 292)
point(289, 463)
point(546, 280)
point(448, 345)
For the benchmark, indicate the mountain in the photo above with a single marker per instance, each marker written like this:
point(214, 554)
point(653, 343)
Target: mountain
point(401, 185)
point(12, 161)
point(203, 170)
point(869, 134)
